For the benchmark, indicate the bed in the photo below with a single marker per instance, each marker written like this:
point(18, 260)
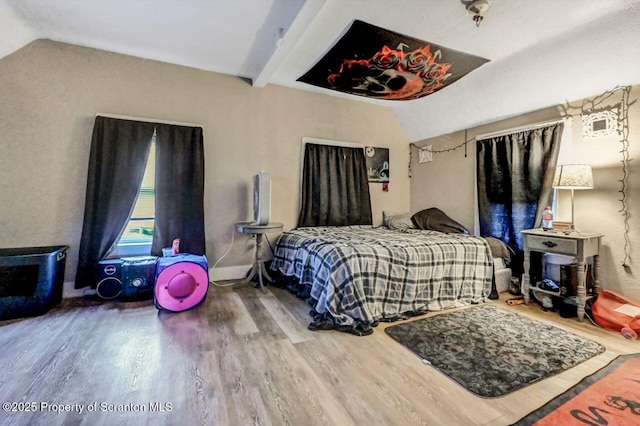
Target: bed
point(357, 276)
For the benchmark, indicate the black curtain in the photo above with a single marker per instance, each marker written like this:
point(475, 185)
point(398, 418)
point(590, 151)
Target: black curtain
point(179, 189)
point(515, 176)
point(119, 151)
point(335, 187)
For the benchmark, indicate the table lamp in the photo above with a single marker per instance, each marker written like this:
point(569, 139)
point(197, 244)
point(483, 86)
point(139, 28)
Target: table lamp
point(573, 176)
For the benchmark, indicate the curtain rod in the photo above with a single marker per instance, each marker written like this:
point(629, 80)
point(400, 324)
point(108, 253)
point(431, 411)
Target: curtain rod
point(148, 120)
point(306, 140)
point(517, 129)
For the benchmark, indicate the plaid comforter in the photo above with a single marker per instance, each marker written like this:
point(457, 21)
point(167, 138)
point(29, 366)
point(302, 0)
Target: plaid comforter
point(361, 274)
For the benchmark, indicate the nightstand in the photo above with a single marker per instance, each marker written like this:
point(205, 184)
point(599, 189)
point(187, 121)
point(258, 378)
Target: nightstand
point(579, 245)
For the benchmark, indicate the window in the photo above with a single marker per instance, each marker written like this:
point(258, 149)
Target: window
point(514, 173)
point(340, 171)
point(137, 236)
point(121, 147)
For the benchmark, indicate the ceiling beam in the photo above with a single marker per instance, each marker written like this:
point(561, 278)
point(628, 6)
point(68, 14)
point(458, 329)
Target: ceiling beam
point(288, 40)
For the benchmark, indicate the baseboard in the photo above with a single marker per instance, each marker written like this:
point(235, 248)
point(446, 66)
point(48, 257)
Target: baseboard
point(229, 273)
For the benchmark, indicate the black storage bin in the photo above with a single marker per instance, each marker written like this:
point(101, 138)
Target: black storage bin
point(31, 280)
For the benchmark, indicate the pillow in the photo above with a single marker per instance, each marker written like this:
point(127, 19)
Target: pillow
point(436, 220)
point(397, 221)
point(386, 216)
point(498, 248)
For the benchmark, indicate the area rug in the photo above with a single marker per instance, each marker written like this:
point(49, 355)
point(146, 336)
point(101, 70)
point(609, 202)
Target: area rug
point(492, 352)
point(610, 396)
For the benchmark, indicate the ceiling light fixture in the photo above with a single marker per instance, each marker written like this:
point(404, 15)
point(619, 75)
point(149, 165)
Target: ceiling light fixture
point(477, 7)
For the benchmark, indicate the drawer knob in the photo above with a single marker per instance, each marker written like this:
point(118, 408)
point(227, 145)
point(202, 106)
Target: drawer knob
point(549, 244)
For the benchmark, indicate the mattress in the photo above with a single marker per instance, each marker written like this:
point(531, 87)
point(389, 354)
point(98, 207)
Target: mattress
point(363, 274)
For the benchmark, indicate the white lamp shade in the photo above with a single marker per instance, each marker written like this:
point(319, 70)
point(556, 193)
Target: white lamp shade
point(573, 176)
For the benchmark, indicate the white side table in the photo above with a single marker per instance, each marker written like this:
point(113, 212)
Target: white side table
point(579, 245)
point(258, 265)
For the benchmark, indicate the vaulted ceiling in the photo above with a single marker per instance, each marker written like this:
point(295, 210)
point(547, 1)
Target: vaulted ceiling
point(541, 52)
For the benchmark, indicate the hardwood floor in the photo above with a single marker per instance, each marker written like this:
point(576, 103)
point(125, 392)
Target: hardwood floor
point(243, 357)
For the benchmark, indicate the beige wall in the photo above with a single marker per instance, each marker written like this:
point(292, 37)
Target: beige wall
point(50, 93)
point(449, 183)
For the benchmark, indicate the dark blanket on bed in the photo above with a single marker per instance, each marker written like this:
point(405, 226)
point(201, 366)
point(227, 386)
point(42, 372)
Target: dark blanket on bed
point(434, 219)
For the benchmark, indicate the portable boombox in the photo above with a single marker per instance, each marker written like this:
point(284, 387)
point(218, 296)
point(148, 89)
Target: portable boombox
point(128, 278)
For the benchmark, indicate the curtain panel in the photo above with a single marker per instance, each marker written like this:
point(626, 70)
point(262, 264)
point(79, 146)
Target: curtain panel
point(335, 187)
point(179, 189)
point(119, 151)
point(515, 176)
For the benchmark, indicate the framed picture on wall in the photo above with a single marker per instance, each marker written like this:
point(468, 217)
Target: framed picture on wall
point(377, 160)
point(600, 123)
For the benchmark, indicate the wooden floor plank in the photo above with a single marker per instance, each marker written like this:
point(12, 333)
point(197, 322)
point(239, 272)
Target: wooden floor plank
point(246, 357)
point(295, 331)
point(242, 321)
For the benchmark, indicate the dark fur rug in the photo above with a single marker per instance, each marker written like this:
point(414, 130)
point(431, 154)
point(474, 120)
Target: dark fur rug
point(492, 352)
